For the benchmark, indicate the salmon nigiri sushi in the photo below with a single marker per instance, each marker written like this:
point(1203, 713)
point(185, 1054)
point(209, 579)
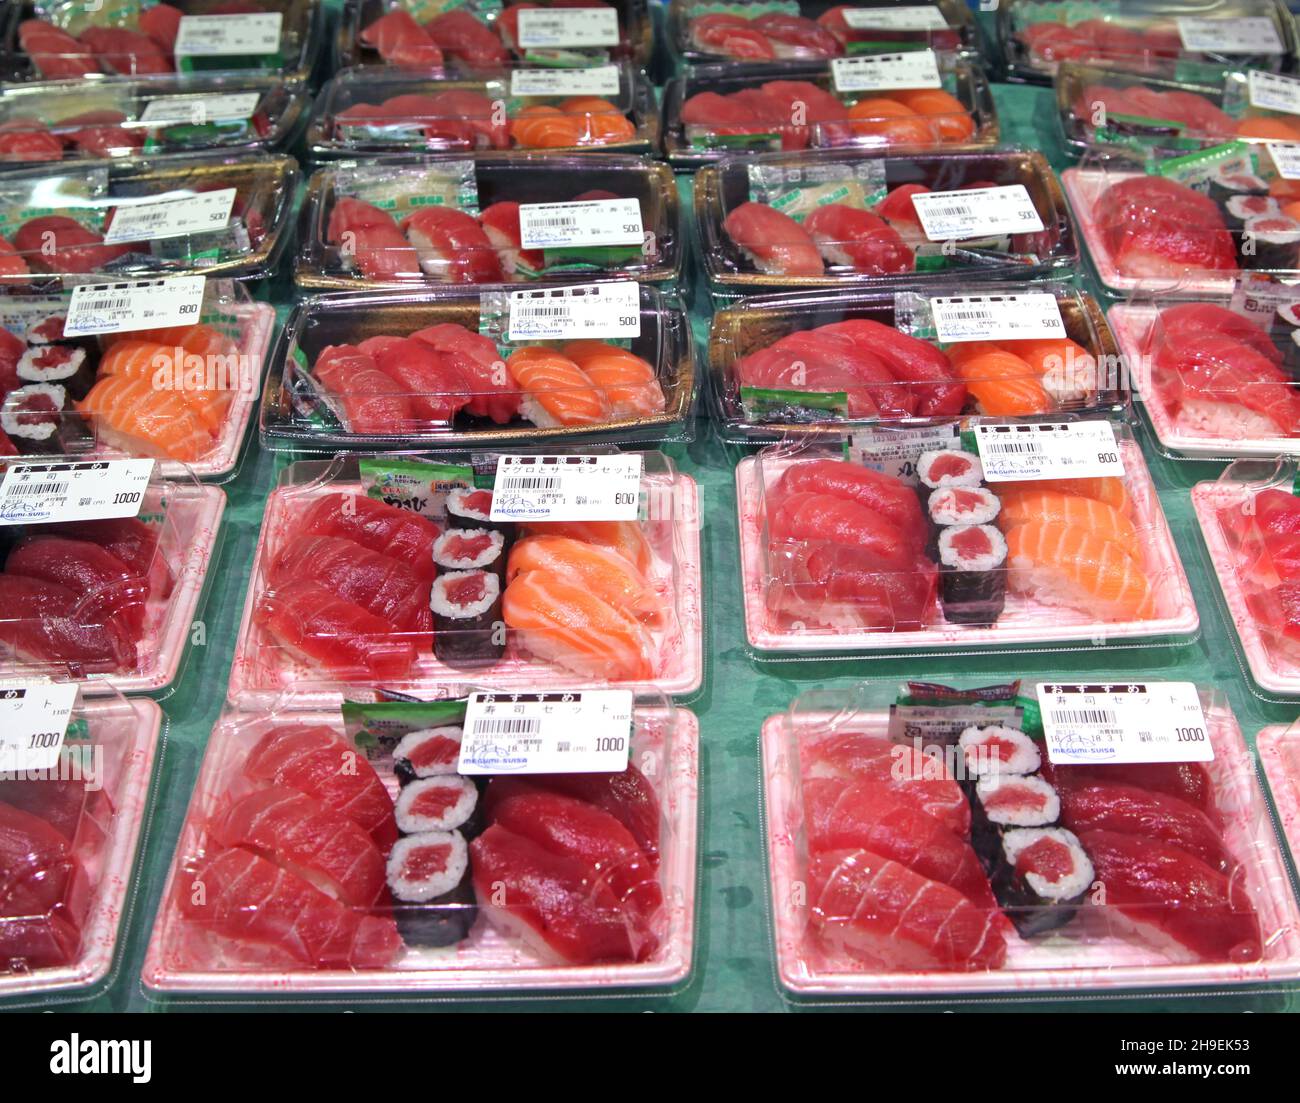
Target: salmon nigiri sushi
point(157, 422)
point(159, 366)
point(555, 390)
point(603, 572)
point(541, 126)
point(628, 381)
point(773, 241)
point(602, 122)
point(1110, 490)
point(1062, 564)
point(624, 537)
point(1003, 384)
point(1020, 505)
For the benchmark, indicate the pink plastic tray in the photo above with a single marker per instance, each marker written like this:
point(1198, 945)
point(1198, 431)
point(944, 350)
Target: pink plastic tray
point(1130, 323)
point(194, 512)
point(1085, 957)
point(263, 673)
point(1279, 754)
point(1024, 622)
point(1083, 187)
point(181, 960)
point(110, 871)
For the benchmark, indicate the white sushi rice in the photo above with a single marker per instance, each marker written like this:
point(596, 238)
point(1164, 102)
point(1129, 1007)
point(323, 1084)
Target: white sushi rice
point(1017, 840)
point(1225, 420)
point(1024, 758)
point(409, 821)
point(419, 892)
point(412, 741)
point(989, 786)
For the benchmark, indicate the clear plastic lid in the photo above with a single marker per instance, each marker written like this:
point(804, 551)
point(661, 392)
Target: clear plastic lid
point(1278, 746)
point(141, 219)
point(472, 597)
point(800, 30)
point(47, 40)
point(183, 395)
point(486, 34)
point(445, 361)
point(440, 220)
point(843, 219)
point(956, 536)
point(433, 881)
point(133, 119)
point(800, 364)
point(364, 111)
point(108, 593)
point(1138, 35)
point(1015, 863)
point(72, 820)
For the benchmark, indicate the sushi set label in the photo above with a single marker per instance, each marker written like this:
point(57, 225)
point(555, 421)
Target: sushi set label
point(909, 17)
point(33, 494)
point(547, 733)
point(977, 212)
point(1286, 159)
point(599, 80)
point(175, 217)
point(567, 488)
point(1252, 34)
point(137, 304)
point(1124, 723)
point(571, 225)
point(1274, 92)
point(225, 35)
point(1057, 450)
point(996, 317)
point(198, 110)
point(543, 27)
point(585, 310)
point(915, 69)
point(33, 722)
point(895, 451)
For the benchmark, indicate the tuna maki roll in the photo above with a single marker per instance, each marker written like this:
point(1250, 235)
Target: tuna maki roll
point(433, 897)
point(1227, 185)
point(1271, 243)
point(470, 550)
point(471, 508)
point(972, 573)
point(998, 749)
point(467, 625)
point(947, 467)
point(1240, 209)
point(32, 418)
point(430, 752)
point(1011, 800)
point(64, 365)
point(964, 505)
point(1041, 878)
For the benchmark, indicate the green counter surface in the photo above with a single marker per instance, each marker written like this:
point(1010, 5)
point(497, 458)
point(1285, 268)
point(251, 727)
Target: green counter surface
point(733, 961)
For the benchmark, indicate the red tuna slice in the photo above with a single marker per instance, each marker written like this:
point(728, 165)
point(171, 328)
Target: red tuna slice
point(383, 253)
point(501, 224)
point(575, 829)
point(162, 23)
point(869, 815)
point(485, 118)
point(54, 243)
point(774, 241)
point(732, 36)
point(836, 585)
point(549, 902)
point(370, 400)
point(355, 214)
point(1277, 608)
point(126, 51)
point(129, 539)
point(315, 761)
point(796, 36)
point(1277, 513)
point(109, 589)
point(27, 140)
point(851, 237)
point(1210, 367)
point(99, 133)
point(1177, 896)
point(1177, 323)
point(808, 355)
point(79, 812)
point(308, 839)
point(433, 385)
point(897, 207)
point(1132, 811)
point(39, 873)
point(376, 525)
point(879, 911)
point(893, 499)
point(774, 116)
point(54, 52)
point(478, 360)
point(401, 41)
point(42, 623)
point(462, 36)
point(807, 104)
point(728, 115)
point(242, 896)
point(384, 586)
point(824, 519)
point(1153, 226)
point(452, 245)
point(1188, 781)
point(924, 368)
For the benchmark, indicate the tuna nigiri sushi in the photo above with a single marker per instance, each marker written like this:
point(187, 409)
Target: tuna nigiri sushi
point(730, 35)
point(924, 369)
point(395, 532)
point(477, 360)
point(401, 41)
point(452, 245)
point(367, 399)
point(858, 239)
point(430, 382)
point(459, 35)
point(43, 623)
point(1154, 226)
point(773, 242)
point(109, 589)
point(874, 490)
point(500, 222)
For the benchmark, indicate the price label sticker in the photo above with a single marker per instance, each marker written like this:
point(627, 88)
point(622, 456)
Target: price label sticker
point(977, 212)
point(907, 17)
point(895, 451)
point(567, 488)
point(1124, 722)
point(225, 35)
point(1274, 92)
point(177, 216)
point(133, 304)
point(996, 317)
point(587, 732)
point(586, 310)
point(599, 80)
point(1049, 450)
point(547, 27)
point(198, 110)
point(594, 222)
point(1249, 34)
point(33, 723)
point(33, 494)
point(869, 73)
point(1286, 159)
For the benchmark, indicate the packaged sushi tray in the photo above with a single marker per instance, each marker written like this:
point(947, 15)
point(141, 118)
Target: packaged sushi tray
point(74, 799)
point(48, 40)
point(927, 101)
point(183, 394)
point(573, 867)
point(605, 591)
point(842, 219)
point(1248, 517)
point(439, 368)
point(154, 118)
point(1187, 226)
point(105, 571)
point(1134, 36)
point(990, 533)
point(1174, 108)
point(367, 111)
point(420, 220)
point(215, 215)
point(488, 34)
point(1279, 757)
point(781, 367)
point(1021, 837)
point(1217, 377)
point(791, 30)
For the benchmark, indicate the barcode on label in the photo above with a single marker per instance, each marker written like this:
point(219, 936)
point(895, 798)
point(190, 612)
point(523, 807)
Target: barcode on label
point(1105, 717)
point(533, 482)
point(557, 221)
point(508, 725)
point(972, 315)
point(956, 211)
point(106, 304)
point(1014, 447)
point(39, 488)
point(526, 310)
